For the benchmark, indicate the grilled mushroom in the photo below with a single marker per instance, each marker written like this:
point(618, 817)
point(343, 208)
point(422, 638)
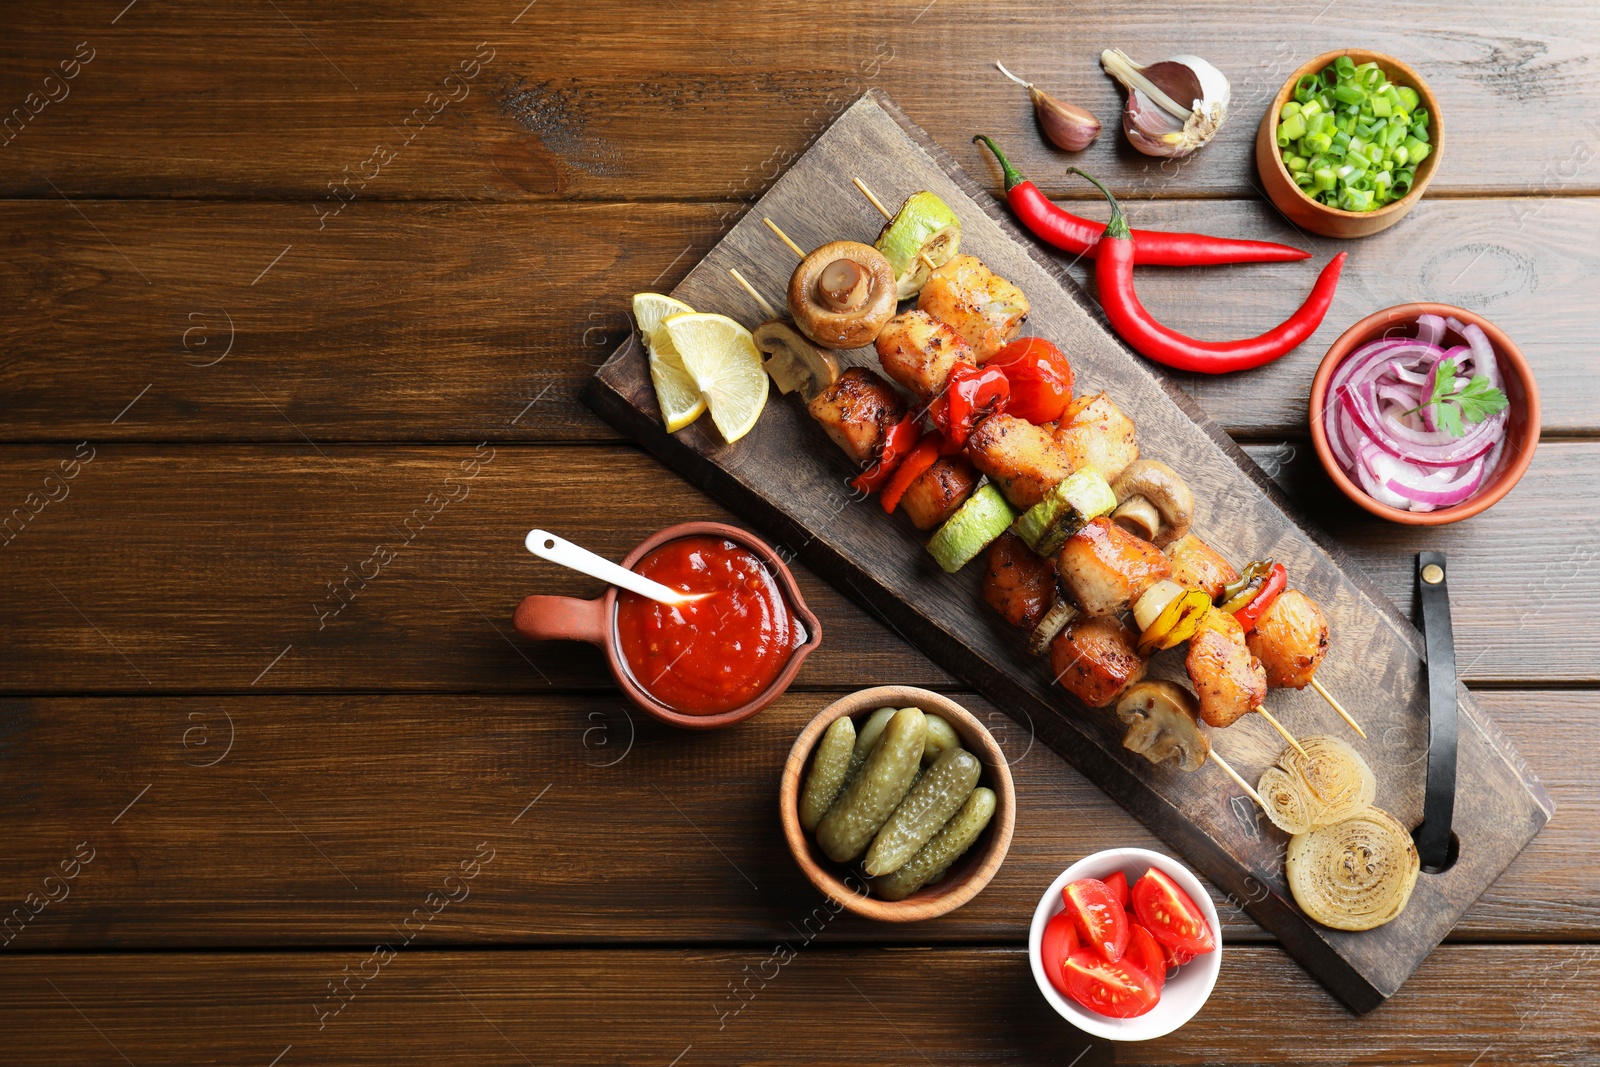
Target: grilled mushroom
point(793, 362)
point(1162, 724)
point(1153, 502)
point(841, 294)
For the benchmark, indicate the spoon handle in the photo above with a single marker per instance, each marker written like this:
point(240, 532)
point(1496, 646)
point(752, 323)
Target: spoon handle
point(559, 550)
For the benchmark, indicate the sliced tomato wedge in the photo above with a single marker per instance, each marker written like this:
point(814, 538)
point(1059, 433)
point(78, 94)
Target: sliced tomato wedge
point(1119, 990)
point(1171, 915)
point(1146, 953)
point(1101, 920)
point(1118, 884)
point(1060, 940)
point(1176, 957)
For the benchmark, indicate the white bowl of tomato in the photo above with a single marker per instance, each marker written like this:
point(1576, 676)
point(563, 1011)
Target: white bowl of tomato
point(1125, 944)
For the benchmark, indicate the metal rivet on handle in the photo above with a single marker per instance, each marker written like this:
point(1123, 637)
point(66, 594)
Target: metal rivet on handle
point(1433, 574)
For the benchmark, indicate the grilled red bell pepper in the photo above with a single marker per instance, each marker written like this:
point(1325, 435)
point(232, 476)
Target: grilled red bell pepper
point(1277, 580)
point(971, 393)
point(898, 442)
point(1040, 377)
point(925, 455)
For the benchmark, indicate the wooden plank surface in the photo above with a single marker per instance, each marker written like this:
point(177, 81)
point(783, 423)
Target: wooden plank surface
point(483, 321)
point(1499, 802)
point(224, 554)
point(802, 1004)
point(289, 101)
point(254, 812)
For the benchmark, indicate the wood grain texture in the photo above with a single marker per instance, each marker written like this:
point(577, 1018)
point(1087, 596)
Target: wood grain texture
point(711, 100)
point(1504, 1005)
point(223, 554)
point(394, 791)
point(475, 321)
point(1499, 800)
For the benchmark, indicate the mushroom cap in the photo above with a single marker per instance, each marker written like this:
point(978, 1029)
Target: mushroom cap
point(842, 329)
point(1161, 486)
point(1162, 723)
point(793, 362)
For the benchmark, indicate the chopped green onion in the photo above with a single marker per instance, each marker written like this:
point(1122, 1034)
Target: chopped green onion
point(1408, 96)
point(1291, 129)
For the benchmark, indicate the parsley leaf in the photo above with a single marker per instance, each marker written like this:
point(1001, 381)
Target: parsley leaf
point(1457, 400)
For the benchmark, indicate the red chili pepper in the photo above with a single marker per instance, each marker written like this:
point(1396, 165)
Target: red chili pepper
point(1113, 278)
point(925, 455)
point(1072, 233)
point(900, 439)
point(1277, 581)
point(970, 394)
point(1040, 377)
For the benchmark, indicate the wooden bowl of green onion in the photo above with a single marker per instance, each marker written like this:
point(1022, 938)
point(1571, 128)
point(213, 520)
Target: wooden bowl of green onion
point(1350, 143)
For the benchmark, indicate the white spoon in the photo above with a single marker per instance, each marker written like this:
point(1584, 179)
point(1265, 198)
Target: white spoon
point(558, 550)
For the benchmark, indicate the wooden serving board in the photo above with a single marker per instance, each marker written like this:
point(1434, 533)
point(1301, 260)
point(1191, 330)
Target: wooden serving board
point(789, 481)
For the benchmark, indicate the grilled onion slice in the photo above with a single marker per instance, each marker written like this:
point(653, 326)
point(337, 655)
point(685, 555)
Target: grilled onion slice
point(1338, 781)
point(1284, 795)
point(1355, 874)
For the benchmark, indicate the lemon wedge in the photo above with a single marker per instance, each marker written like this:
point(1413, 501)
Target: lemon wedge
point(722, 358)
point(676, 393)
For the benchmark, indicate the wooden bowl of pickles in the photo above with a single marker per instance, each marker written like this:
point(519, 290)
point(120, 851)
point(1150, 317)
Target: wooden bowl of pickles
point(897, 803)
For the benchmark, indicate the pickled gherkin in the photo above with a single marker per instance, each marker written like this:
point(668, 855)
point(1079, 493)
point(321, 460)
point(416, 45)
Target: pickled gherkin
point(941, 735)
point(933, 800)
point(873, 794)
point(829, 769)
point(866, 737)
point(934, 859)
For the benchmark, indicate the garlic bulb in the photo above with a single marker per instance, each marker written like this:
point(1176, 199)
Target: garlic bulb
point(1174, 106)
point(1065, 125)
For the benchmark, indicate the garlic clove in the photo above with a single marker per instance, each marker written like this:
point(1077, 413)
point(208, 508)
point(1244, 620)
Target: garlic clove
point(1173, 106)
point(1064, 125)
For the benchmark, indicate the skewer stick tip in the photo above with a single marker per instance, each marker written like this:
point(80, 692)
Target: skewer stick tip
point(773, 226)
point(1287, 736)
point(859, 184)
point(1345, 715)
point(760, 300)
point(1249, 790)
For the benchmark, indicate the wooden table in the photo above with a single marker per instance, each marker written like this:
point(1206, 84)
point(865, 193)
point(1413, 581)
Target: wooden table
point(298, 304)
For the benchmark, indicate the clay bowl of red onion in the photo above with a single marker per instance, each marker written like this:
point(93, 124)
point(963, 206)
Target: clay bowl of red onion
point(1395, 454)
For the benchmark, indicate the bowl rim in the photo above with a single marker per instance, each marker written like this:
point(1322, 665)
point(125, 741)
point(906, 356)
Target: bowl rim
point(1406, 314)
point(949, 894)
point(791, 593)
point(1436, 131)
point(1104, 1026)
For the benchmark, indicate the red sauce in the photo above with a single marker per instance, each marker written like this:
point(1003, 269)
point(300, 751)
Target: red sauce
point(715, 654)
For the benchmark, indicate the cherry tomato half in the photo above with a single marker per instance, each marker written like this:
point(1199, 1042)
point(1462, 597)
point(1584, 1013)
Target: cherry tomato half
point(1145, 953)
point(1168, 912)
point(1119, 990)
point(1118, 884)
point(1101, 920)
point(1040, 376)
point(1060, 940)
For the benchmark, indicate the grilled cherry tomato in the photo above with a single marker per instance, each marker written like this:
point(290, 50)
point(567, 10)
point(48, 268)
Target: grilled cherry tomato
point(902, 437)
point(1118, 884)
point(1168, 913)
point(1060, 940)
point(1119, 990)
point(925, 455)
point(1145, 953)
point(1100, 918)
point(1277, 581)
point(1040, 377)
point(970, 393)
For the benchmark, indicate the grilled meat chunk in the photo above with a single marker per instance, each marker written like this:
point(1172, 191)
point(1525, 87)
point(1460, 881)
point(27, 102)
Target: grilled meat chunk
point(1229, 681)
point(919, 351)
point(1196, 565)
point(1095, 659)
point(984, 308)
point(1095, 433)
point(938, 491)
point(1018, 584)
point(856, 411)
point(1106, 568)
point(1290, 639)
point(1022, 458)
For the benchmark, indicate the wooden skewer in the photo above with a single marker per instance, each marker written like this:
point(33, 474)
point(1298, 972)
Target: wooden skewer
point(757, 297)
point(1345, 715)
point(1287, 736)
point(773, 226)
point(875, 201)
point(1249, 790)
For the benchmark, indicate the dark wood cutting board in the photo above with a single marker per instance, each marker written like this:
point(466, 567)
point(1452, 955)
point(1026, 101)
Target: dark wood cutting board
point(789, 482)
